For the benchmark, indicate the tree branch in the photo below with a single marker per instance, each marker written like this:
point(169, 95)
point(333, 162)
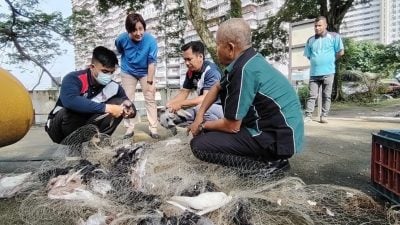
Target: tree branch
point(195, 15)
point(14, 17)
point(28, 57)
point(16, 12)
point(38, 82)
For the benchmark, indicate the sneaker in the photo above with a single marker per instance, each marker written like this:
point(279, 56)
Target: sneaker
point(307, 119)
point(324, 119)
point(129, 133)
point(154, 135)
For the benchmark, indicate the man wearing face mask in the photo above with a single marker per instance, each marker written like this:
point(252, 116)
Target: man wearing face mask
point(90, 97)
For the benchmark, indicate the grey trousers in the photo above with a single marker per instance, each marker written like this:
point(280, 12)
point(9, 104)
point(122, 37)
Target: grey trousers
point(316, 82)
point(215, 112)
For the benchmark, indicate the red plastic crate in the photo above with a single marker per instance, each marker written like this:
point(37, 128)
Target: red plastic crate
point(385, 164)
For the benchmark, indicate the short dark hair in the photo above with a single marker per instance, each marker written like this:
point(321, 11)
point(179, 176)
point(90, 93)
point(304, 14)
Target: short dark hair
point(196, 46)
point(131, 20)
point(105, 56)
point(320, 18)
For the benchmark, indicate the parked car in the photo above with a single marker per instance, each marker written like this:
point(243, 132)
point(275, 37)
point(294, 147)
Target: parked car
point(392, 86)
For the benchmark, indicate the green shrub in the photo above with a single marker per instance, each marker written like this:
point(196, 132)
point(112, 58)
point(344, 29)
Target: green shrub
point(303, 93)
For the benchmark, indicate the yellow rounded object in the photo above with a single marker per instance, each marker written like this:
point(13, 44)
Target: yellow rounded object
point(16, 110)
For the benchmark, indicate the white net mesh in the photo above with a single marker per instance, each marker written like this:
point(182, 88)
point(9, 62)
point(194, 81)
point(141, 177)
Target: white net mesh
point(105, 181)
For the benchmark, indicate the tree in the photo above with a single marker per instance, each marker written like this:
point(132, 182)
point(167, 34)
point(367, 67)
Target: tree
point(389, 59)
point(297, 10)
point(83, 25)
point(368, 62)
point(193, 12)
point(28, 34)
point(266, 37)
point(363, 56)
point(170, 28)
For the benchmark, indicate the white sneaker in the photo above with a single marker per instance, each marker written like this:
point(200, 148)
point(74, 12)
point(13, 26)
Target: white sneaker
point(307, 119)
point(324, 119)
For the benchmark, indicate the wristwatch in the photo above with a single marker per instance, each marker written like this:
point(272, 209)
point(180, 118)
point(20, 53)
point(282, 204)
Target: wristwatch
point(150, 82)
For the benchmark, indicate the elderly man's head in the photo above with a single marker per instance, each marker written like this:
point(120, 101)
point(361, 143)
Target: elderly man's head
point(233, 36)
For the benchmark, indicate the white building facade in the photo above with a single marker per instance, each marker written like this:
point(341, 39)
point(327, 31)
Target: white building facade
point(376, 20)
point(390, 24)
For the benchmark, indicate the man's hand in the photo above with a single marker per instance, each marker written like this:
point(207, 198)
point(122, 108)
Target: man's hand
point(129, 109)
point(173, 107)
point(115, 110)
point(196, 127)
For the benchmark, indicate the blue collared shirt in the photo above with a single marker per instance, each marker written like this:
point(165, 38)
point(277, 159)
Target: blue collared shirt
point(321, 51)
point(136, 56)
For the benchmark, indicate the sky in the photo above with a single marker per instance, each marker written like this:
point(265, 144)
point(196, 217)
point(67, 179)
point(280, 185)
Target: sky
point(62, 64)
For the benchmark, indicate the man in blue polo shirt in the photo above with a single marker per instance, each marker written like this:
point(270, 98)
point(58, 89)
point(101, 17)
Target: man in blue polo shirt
point(263, 124)
point(322, 49)
point(201, 76)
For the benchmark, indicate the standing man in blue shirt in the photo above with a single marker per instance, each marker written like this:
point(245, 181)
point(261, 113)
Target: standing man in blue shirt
point(322, 49)
point(138, 64)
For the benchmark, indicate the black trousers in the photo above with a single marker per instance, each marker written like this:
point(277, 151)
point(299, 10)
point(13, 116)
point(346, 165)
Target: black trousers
point(238, 150)
point(67, 121)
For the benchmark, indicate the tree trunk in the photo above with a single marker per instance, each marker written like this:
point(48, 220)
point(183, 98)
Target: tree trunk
point(236, 9)
point(195, 14)
point(337, 93)
point(334, 13)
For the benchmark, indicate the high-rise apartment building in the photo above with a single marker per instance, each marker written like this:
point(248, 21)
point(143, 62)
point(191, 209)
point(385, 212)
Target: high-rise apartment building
point(376, 20)
point(390, 23)
point(170, 70)
point(362, 22)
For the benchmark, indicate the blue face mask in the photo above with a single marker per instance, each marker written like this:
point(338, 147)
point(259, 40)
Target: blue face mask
point(103, 78)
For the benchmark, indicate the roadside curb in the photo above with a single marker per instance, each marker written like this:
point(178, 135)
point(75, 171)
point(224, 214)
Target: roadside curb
point(369, 119)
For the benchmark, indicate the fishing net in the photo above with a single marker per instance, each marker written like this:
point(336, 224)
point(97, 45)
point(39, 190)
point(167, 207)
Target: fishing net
point(108, 181)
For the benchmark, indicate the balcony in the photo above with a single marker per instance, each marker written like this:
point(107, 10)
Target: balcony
point(211, 3)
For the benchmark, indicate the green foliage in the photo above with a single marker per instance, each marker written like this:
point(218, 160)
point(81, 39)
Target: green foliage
point(371, 57)
point(236, 9)
point(362, 56)
point(83, 28)
point(272, 34)
point(266, 37)
point(303, 93)
point(129, 5)
point(368, 63)
point(171, 26)
point(28, 34)
point(366, 97)
point(389, 59)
